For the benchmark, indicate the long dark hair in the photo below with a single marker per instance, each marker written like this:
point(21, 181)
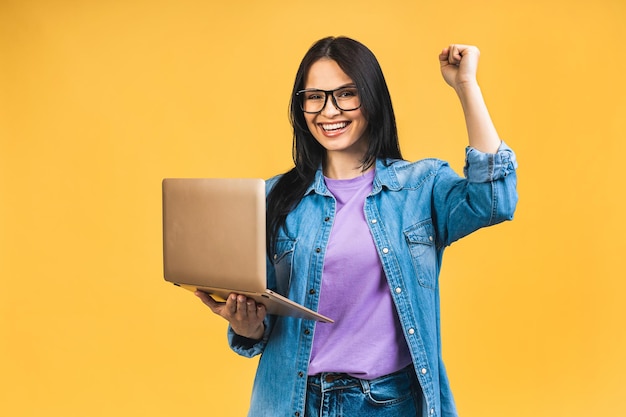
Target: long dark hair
point(360, 64)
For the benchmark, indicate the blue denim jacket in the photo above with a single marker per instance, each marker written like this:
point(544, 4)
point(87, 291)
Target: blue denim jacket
point(414, 211)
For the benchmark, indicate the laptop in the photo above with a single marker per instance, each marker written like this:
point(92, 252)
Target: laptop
point(214, 241)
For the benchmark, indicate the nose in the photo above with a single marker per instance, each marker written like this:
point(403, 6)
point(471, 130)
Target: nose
point(330, 109)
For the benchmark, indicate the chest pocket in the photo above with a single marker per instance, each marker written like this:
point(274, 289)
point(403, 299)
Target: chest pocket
point(282, 260)
point(421, 241)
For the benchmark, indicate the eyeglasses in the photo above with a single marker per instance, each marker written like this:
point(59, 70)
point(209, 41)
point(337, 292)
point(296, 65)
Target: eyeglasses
point(344, 98)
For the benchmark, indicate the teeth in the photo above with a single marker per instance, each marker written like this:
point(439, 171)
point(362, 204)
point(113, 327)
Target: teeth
point(334, 126)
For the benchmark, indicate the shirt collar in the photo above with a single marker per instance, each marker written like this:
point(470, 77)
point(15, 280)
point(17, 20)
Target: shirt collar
point(385, 177)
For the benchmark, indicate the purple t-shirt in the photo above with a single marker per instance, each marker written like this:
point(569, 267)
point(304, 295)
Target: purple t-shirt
point(366, 340)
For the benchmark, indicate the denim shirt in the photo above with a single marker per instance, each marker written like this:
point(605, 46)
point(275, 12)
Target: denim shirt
point(414, 211)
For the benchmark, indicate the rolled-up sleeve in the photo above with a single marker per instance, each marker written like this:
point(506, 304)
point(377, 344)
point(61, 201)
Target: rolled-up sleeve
point(486, 196)
point(244, 346)
point(488, 167)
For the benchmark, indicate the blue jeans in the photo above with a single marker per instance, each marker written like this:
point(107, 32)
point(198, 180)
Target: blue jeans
point(340, 395)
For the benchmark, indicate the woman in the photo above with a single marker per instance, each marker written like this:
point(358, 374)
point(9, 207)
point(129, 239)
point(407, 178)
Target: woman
point(358, 234)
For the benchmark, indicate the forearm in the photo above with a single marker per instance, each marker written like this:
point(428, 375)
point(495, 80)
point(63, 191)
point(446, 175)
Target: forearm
point(481, 131)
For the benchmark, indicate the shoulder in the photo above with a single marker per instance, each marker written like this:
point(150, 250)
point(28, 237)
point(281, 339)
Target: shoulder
point(400, 174)
point(271, 182)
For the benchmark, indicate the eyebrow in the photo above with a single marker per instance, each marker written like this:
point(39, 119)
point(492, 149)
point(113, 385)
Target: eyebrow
point(341, 86)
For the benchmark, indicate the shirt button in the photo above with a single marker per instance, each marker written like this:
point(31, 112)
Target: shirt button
point(307, 331)
point(424, 371)
point(398, 290)
point(312, 291)
point(275, 256)
point(300, 374)
point(432, 411)
point(318, 250)
point(326, 219)
point(430, 238)
point(411, 331)
point(385, 250)
point(374, 221)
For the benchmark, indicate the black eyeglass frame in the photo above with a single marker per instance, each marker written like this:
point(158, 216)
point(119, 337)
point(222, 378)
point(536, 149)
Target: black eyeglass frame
point(327, 93)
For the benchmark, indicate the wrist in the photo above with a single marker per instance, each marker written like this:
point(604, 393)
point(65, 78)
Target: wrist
point(467, 88)
point(254, 335)
point(258, 335)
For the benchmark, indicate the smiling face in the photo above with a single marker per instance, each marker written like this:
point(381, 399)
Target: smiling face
point(340, 132)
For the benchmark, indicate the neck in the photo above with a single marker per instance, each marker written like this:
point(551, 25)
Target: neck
point(344, 167)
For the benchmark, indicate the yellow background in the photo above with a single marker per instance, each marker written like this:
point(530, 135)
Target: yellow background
point(99, 100)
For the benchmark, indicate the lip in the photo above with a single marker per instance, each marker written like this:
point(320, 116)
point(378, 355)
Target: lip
point(334, 128)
